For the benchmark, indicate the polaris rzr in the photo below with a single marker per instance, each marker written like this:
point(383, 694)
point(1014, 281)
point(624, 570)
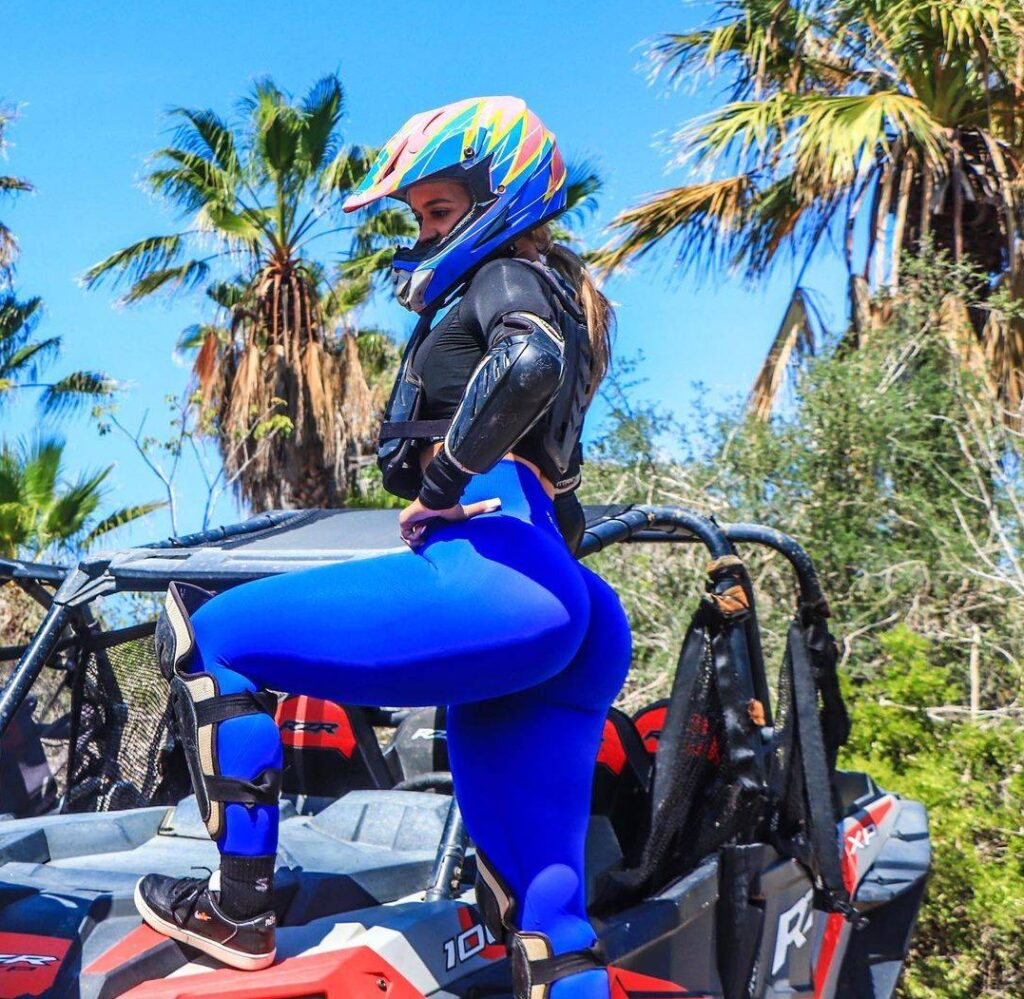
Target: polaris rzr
point(726, 852)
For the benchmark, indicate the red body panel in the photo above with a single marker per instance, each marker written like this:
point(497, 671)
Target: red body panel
point(353, 973)
point(29, 963)
point(312, 723)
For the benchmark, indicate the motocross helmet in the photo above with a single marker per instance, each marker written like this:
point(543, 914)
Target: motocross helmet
point(508, 161)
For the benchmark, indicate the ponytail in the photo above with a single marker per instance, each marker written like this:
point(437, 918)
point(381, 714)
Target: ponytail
point(596, 308)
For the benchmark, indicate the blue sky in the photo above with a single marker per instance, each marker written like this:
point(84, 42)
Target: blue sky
point(93, 81)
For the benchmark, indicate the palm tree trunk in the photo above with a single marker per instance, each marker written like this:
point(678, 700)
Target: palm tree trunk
point(958, 201)
point(927, 186)
point(1009, 213)
point(852, 213)
point(881, 221)
point(902, 204)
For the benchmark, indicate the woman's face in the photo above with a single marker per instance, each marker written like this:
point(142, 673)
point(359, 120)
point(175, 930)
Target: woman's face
point(437, 205)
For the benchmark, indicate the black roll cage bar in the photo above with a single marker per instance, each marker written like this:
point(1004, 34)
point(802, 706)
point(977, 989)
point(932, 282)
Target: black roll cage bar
point(631, 524)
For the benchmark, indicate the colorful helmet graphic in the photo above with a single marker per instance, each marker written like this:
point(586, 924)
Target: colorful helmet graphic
point(510, 164)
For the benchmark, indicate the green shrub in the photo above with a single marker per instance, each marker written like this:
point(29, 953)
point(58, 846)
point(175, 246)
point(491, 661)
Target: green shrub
point(894, 467)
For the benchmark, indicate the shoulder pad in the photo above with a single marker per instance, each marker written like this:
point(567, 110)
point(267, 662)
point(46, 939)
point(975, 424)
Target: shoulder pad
point(506, 285)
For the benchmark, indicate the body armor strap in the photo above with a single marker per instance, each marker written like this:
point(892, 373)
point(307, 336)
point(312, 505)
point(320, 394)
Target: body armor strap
point(392, 430)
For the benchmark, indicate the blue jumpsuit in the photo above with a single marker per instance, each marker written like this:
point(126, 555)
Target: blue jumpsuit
point(492, 616)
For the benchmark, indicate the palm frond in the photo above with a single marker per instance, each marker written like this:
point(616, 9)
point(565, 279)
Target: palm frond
point(826, 140)
point(13, 185)
point(583, 185)
point(8, 252)
point(347, 169)
point(194, 336)
point(245, 226)
point(68, 512)
point(191, 181)
point(119, 518)
point(17, 318)
point(204, 133)
point(276, 138)
point(134, 262)
point(40, 463)
point(344, 296)
point(838, 139)
point(795, 337)
point(368, 265)
point(322, 110)
point(24, 362)
point(386, 225)
point(172, 280)
point(768, 45)
point(708, 215)
point(73, 391)
point(674, 56)
point(228, 294)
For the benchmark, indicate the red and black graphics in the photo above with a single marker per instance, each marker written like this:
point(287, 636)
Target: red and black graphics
point(473, 940)
point(30, 963)
point(621, 779)
point(703, 740)
point(312, 723)
point(858, 833)
point(649, 722)
point(329, 748)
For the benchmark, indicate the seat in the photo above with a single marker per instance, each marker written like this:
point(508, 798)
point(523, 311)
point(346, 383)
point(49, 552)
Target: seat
point(329, 748)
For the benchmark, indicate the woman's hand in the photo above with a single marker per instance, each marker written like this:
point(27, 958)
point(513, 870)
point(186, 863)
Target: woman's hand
point(413, 520)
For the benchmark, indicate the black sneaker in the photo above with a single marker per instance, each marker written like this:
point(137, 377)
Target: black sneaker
point(186, 909)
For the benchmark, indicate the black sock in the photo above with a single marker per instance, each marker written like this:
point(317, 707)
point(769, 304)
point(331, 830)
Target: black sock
point(246, 885)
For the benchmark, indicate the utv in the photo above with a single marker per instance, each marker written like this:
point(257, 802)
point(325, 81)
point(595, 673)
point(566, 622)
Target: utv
point(726, 852)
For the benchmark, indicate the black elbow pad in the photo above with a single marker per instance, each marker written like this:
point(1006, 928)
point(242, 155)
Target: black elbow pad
point(511, 389)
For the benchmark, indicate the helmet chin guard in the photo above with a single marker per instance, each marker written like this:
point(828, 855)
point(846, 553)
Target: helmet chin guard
point(410, 287)
point(507, 159)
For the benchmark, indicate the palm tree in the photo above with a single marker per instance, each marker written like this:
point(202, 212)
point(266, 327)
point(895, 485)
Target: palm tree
point(363, 360)
point(8, 185)
point(41, 514)
point(907, 111)
point(22, 358)
point(256, 194)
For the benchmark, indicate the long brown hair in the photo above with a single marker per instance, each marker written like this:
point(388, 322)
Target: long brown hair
point(596, 308)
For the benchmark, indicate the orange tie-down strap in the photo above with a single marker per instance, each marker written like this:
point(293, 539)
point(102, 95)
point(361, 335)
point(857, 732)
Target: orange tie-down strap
point(732, 601)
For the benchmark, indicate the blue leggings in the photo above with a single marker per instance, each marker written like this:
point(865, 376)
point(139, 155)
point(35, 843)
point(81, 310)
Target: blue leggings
point(493, 617)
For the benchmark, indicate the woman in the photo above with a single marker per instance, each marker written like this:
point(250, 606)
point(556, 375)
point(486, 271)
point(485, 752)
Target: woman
point(487, 612)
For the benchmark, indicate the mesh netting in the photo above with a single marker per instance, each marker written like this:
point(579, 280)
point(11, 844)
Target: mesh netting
point(788, 814)
point(710, 806)
point(694, 807)
point(123, 753)
point(34, 750)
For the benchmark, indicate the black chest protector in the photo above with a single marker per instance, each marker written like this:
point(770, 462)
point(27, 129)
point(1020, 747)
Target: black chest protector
point(552, 442)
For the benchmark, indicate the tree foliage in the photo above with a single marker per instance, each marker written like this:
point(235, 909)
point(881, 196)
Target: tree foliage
point(42, 514)
point(254, 195)
point(905, 114)
point(22, 356)
point(896, 471)
point(8, 186)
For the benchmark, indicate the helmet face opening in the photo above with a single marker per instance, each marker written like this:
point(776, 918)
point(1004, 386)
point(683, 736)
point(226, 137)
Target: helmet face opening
point(507, 159)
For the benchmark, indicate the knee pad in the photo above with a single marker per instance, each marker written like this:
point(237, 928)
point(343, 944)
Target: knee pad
point(535, 966)
point(199, 708)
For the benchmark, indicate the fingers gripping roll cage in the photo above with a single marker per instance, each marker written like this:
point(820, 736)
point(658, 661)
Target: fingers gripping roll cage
point(200, 708)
